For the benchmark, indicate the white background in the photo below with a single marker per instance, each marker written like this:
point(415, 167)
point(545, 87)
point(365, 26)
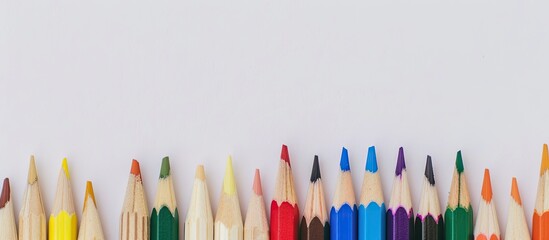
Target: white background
point(102, 82)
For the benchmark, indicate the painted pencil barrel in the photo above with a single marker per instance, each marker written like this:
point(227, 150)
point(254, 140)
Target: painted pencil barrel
point(459, 224)
point(284, 221)
point(164, 225)
point(400, 224)
point(315, 230)
point(429, 228)
point(63, 226)
point(343, 223)
point(371, 222)
point(540, 226)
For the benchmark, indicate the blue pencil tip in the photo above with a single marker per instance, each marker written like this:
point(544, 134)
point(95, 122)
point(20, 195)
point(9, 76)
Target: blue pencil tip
point(344, 163)
point(371, 160)
point(401, 164)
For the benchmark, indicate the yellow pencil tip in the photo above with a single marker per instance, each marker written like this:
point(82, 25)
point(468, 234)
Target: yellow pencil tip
point(66, 168)
point(33, 176)
point(544, 160)
point(89, 194)
point(229, 184)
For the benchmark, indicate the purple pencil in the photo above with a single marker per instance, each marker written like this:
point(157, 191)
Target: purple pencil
point(400, 220)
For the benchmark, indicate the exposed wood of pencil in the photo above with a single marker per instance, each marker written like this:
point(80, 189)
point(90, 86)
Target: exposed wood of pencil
point(228, 219)
point(32, 218)
point(8, 230)
point(90, 226)
point(199, 223)
point(134, 220)
point(63, 223)
point(540, 221)
point(517, 228)
point(314, 223)
point(487, 226)
point(399, 217)
point(256, 226)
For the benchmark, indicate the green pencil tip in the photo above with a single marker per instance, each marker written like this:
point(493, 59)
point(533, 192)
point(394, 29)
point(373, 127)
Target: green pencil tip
point(459, 162)
point(165, 169)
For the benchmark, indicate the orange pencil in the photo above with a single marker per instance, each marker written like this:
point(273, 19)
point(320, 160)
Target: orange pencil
point(540, 222)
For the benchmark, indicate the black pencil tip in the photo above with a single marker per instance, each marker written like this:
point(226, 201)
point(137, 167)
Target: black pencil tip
point(429, 174)
point(315, 174)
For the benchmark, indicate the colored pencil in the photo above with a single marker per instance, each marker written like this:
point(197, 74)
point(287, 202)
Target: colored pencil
point(134, 219)
point(90, 227)
point(343, 215)
point(487, 226)
point(8, 230)
point(458, 217)
point(32, 218)
point(228, 219)
point(429, 223)
point(314, 223)
point(284, 209)
point(371, 211)
point(256, 226)
point(164, 216)
point(63, 221)
point(540, 222)
point(400, 215)
point(199, 223)
point(517, 228)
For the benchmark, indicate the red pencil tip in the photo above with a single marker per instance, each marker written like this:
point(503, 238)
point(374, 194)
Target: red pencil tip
point(6, 192)
point(284, 154)
point(257, 183)
point(136, 170)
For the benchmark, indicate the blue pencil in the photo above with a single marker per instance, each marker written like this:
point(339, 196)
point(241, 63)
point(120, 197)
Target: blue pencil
point(371, 211)
point(343, 215)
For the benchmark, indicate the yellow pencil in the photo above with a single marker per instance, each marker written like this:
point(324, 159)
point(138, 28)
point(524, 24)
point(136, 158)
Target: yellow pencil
point(63, 220)
point(90, 227)
point(32, 218)
point(228, 219)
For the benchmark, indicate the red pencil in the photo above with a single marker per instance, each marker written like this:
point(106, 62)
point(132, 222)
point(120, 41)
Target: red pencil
point(284, 210)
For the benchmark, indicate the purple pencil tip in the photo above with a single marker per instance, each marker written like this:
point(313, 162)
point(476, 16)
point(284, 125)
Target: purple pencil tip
point(401, 164)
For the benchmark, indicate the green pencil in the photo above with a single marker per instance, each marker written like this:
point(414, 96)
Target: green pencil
point(164, 217)
point(459, 213)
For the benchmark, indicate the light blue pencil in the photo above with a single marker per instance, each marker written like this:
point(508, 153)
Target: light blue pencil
point(371, 211)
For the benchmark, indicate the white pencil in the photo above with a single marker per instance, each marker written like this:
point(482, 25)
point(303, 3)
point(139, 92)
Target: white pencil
point(32, 218)
point(199, 223)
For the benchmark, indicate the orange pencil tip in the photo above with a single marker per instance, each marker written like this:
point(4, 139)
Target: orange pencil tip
point(544, 160)
point(136, 170)
point(487, 186)
point(257, 183)
point(515, 191)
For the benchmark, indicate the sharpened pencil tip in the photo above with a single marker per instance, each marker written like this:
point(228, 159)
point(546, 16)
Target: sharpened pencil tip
point(284, 155)
point(165, 169)
point(401, 164)
point(487, 186)
point(544, 160)
point(33, 176)
point(344, 162)
point(90, 196)
point(459, 162)
point(66, 168)
point(371, 160)
point(229, 184)
point(257, 183)
point(136, 170)
point(6, 193)
point(429, 174)
point(200, 174)
point(315, 173)
point(515, 191)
